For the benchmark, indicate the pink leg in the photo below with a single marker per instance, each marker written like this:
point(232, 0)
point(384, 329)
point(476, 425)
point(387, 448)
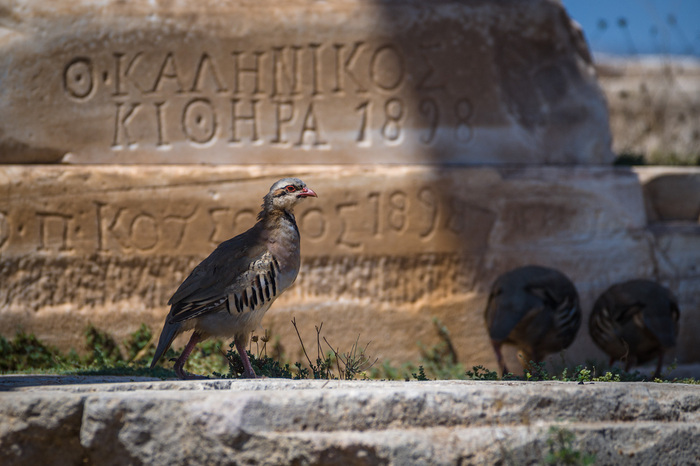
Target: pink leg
point(499, 357)
point(180, 363)
point(248, 371)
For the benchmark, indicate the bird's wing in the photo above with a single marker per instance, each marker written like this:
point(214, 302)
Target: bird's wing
point(560, 301)
point(233, 265)
point(661, 319)
point(553, 289)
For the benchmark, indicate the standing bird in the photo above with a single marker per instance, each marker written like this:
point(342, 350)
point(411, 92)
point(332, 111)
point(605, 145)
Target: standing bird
point(635, 321)
point(534, 308)
point(228, 293)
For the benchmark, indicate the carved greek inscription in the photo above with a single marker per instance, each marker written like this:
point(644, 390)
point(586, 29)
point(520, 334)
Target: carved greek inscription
point(78, 78)
point(207, 71)
point(143, 232)
point(199, 121)
point(286, 73)
point(228, 223)
point(411, 215)
point(393, 112)
point(218, 216)
point(431, 80)
point(310, 130)
point(300, 96)
point(344, 68)
point(429, 201)
point(387, 68)
point(344, 239)
point(463, 111)
point(136, 230)
point(123, 74)
point(121, 131)
point(53, 231)
point(430, 111)
point(351, 225)
point(314, 224)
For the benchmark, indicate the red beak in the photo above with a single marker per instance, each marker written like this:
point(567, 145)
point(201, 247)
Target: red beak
point(307, 192)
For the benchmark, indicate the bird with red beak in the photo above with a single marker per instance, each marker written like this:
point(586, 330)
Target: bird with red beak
point(228, 293)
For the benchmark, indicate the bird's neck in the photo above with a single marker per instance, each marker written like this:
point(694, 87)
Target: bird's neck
point(281, 225)
point(274, 217)
point(282, 237)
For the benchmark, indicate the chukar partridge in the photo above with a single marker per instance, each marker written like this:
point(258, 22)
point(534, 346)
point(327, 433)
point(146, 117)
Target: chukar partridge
point(228, 293)
point(635, 321)
point(535, 309)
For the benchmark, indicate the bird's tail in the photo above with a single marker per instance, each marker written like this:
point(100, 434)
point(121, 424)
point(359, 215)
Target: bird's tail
point(167, 335)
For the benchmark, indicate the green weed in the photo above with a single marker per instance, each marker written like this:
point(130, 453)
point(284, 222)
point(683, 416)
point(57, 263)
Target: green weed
point(562, 449)
point(481, 373)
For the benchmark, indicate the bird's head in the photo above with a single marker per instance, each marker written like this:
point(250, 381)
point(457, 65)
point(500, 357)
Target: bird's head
point(285, 194)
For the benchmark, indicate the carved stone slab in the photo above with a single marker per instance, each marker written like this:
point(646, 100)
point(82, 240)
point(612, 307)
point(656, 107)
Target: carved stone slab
point(298, 82)
point(384, 249)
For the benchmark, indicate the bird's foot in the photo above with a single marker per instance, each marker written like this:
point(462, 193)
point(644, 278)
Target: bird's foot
point(182, 375)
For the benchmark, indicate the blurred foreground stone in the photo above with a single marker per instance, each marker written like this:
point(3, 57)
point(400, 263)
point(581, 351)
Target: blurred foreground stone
point(277, 421)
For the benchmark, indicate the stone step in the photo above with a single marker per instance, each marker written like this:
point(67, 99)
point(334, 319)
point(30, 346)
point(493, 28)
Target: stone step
point(272, 421)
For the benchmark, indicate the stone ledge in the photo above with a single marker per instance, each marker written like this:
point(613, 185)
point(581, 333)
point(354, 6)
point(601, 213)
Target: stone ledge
point(273, 421)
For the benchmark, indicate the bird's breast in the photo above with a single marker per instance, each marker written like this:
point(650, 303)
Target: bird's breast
point(284, 247)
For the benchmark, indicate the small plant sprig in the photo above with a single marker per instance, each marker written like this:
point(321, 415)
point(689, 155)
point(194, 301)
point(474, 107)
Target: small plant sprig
point(323, 367)
point(481, 373)
point(562, 450)
point(354, 363)
point(349, 365)
point(420, 375)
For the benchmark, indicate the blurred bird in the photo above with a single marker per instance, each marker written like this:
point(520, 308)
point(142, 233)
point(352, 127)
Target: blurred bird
point(635, 321)
point(535, 309)
point(228, 293)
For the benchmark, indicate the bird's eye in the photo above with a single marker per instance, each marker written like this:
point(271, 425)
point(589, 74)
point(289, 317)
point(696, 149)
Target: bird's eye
point(290, 189)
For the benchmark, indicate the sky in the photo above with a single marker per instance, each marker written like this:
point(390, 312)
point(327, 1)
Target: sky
point(639, 27)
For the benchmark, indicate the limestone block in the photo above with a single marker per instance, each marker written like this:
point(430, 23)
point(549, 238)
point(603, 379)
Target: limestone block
point(672, 199)
point(346, 422)
point(384, 249)
point(300, 81)
point(671, 193)
point(41, 430)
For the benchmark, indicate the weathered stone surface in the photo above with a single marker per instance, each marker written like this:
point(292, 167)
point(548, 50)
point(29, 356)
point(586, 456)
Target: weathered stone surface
point(385, 249)
point(41, 430)
point(317, 422)
point(298, 82)
point(672, 199)
point(671, 194)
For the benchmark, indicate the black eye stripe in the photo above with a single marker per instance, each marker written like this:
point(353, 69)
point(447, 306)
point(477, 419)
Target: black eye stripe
point(289, 189)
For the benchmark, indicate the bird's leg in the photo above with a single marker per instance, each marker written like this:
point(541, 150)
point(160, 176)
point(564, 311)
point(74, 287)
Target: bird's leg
point(499, 357)
point(248, 371)
point(180, 363)
point(657, 374)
